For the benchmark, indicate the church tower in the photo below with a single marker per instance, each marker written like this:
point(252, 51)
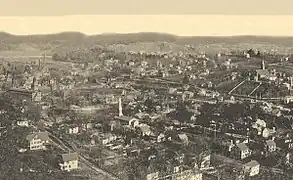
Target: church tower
point(263, 66)
point(120, 107)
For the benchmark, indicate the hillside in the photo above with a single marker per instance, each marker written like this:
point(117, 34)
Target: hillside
point(51, 42)
point(109, 38)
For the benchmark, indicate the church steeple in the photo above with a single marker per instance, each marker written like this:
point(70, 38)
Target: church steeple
point(120, 107)
point(263, 66)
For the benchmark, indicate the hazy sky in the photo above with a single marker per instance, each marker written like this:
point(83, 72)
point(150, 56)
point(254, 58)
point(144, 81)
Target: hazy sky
point(186, 25)
point(66, 7)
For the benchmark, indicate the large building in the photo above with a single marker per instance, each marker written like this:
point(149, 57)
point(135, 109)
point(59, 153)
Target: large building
point(37, 141)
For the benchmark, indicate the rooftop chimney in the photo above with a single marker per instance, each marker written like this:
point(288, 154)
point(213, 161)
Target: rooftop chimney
point(120, 107)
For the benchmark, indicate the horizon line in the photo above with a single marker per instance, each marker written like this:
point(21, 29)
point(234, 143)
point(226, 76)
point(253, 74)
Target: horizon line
point(142, 32)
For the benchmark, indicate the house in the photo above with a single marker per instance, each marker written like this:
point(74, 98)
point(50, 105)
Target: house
point(125, 120)
point(107, 138)
point(153, 176)
point(152, 172)
point(259, 125)
point(24, 94)
point(161, 138)
point(69, 162)
point(87, 126)
point(113, 125)
point(23, 123)
point(271, 146)
point(72, 129)
point(190, 174)
point(36, 96)
point(241, 151)
point(183, 137)
point(20, 94)
point(285, 142)
point(145, 129)
point(205, 161)
point(251, 168)
point(268, 132)
point(265, 75)
point(38, 140)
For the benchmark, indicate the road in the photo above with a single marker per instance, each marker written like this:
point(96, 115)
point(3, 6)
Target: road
point(58, 142)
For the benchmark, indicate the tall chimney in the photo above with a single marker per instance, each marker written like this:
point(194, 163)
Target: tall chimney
point(263, 65)
point(120, 107)
point(33, 83)
point(39, 65)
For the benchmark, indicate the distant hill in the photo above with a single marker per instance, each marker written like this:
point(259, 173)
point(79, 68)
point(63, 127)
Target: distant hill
point(53, 41)
point(141, 37)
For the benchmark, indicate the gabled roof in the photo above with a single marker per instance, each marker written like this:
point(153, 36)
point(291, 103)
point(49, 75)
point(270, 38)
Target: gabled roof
point(252, 163)
point(44, 136)
point(124, 118)
point(145, 128)
point(263, 72)
point(69, 157)
point(183, 137)
point(270, 143)
point(242, 146)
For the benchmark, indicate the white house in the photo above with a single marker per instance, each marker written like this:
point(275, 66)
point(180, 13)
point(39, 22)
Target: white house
point(271, 146)
point(241, 151)
point(69, 162)
point(23, 123)
point(107, 138)
point(161, 137)
point(37, 140)
point(268, 132)
point(252, 168)
point(145, 129)
point(73, 130)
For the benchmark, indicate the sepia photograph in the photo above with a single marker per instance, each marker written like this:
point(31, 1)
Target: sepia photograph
point(146, 90)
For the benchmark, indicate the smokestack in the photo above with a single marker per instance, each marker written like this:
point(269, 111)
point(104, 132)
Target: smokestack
point(263, 65)
point(120, 107)
point(39, 64)
point(33, 83)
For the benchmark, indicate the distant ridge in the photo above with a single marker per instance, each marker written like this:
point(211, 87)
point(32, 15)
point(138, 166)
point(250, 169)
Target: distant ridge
point(142, 37)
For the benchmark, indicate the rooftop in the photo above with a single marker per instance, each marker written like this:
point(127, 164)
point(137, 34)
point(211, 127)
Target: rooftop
point(252, 163)
point(69, 157)
point(242, 146)
point(124, 118)
point(44, 136)
point(271, 143)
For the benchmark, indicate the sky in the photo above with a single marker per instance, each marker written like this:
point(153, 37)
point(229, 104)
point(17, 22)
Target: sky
point(82, 7)
point(183, 25)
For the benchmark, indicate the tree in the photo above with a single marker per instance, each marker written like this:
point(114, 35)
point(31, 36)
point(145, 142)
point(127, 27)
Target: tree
point(185, 79)
point(251, 52)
